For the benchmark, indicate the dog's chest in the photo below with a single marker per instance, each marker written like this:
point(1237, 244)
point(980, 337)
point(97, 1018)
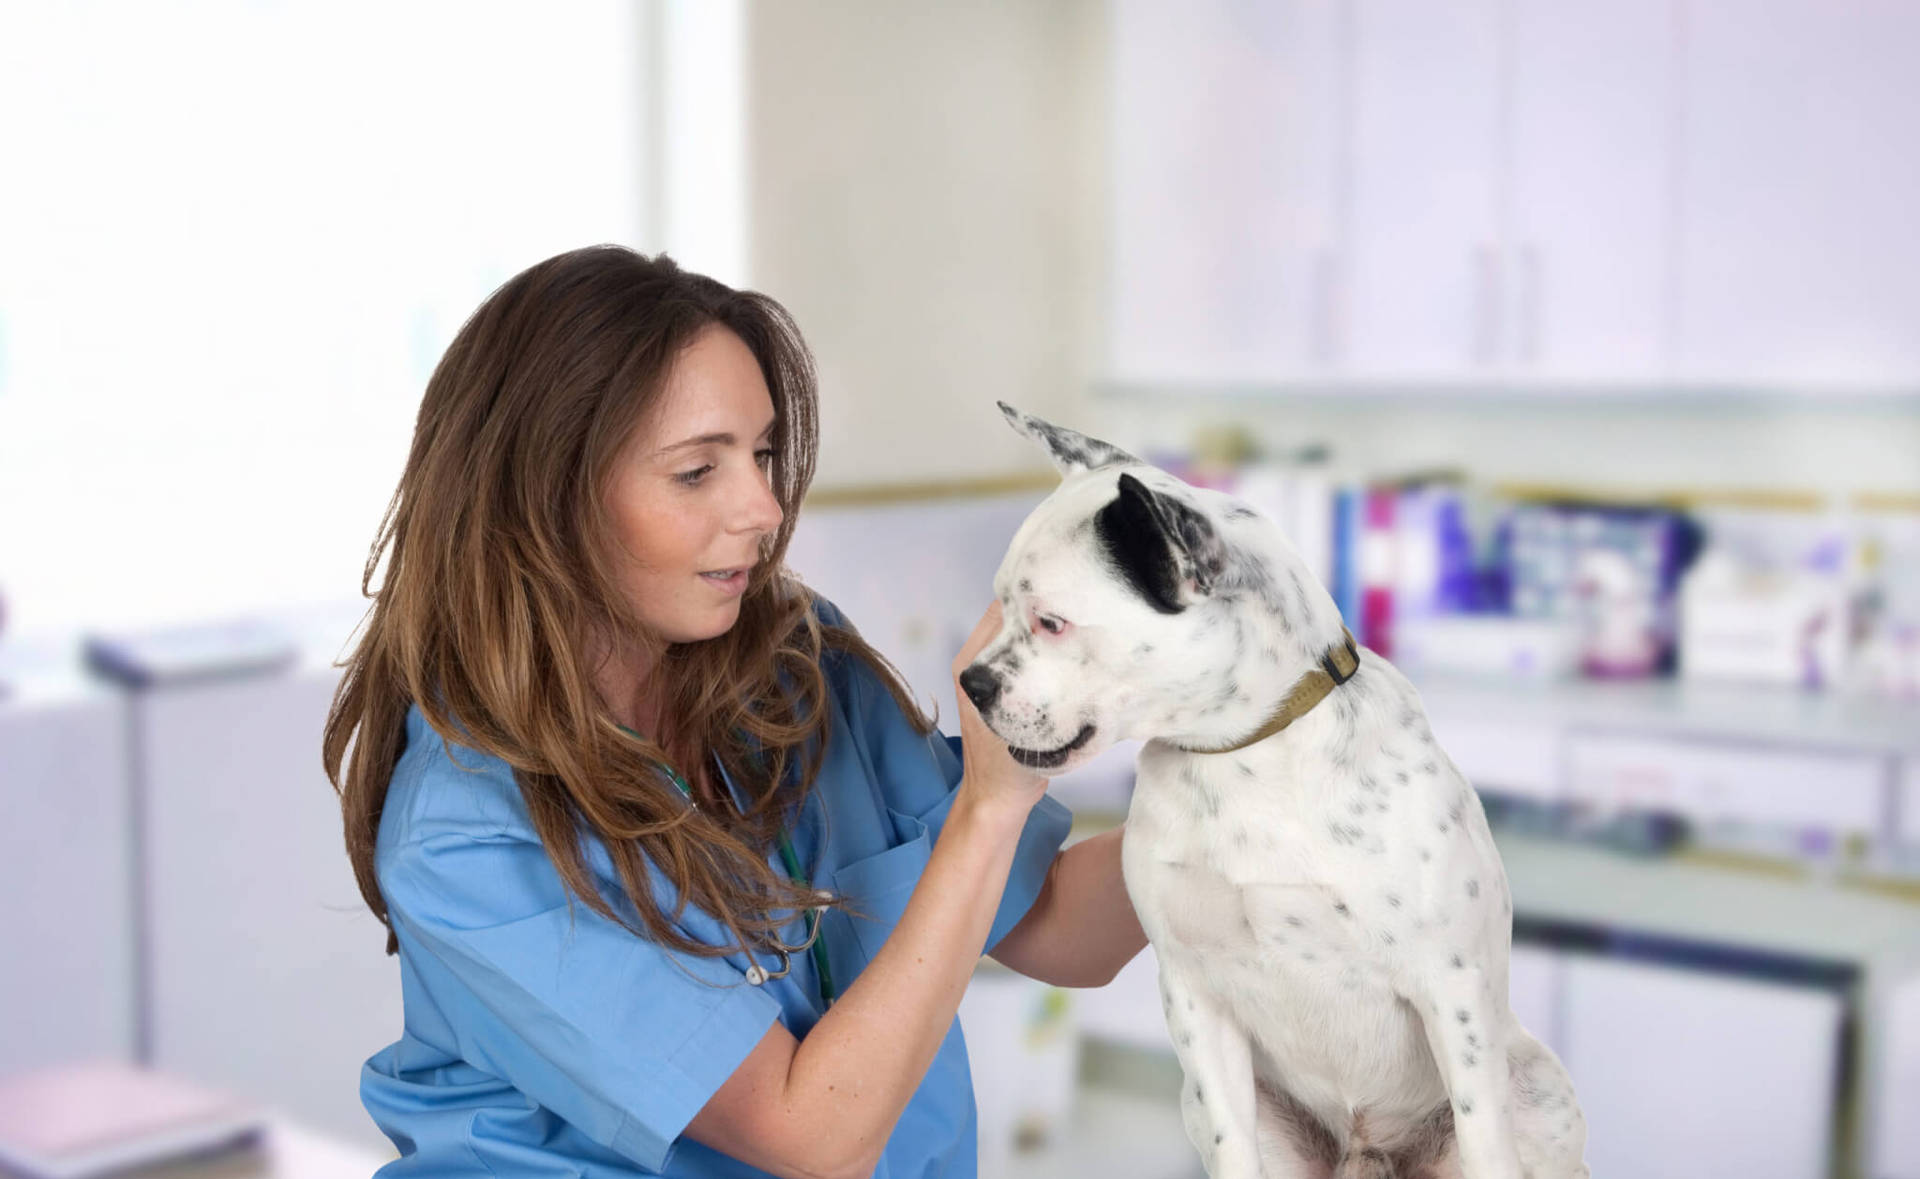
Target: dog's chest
point(1296, 934)
point(1244, 870)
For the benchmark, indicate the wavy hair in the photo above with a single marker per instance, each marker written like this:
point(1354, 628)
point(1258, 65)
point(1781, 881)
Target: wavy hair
point(499, 570)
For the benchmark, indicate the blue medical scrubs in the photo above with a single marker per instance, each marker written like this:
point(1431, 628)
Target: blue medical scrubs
point(542, 1039)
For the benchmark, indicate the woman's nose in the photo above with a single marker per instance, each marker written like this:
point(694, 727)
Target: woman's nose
point(762, 509)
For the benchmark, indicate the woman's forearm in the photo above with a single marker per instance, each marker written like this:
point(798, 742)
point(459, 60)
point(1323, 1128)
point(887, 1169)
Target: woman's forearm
point(852, 1075)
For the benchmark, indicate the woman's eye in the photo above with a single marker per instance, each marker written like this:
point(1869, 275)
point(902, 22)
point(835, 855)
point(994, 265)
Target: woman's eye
point(765, 456)
point(692, 477)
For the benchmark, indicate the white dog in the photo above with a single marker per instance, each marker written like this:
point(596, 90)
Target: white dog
point(1318, 882)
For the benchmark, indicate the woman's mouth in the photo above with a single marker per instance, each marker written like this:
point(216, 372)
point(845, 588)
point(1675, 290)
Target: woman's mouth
point(730, 581)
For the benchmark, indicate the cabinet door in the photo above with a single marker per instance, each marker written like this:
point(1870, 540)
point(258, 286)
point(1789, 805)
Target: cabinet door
point(269, 975)
point(1589, 257)
point(1683, 1074)
point(1799, 247)
point(66, 925)
point(1425, 258)
point(1225, 141)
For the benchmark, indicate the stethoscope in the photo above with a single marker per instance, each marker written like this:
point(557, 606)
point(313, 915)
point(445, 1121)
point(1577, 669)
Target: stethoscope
point(757, 974)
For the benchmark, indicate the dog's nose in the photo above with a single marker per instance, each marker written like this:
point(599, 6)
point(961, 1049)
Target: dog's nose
point(981, 686)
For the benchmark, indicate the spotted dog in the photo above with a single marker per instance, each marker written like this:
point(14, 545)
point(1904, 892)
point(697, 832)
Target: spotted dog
point(1329, 912)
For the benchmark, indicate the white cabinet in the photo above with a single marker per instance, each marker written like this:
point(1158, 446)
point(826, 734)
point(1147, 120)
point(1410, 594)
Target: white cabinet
point(1425, 244)
point(1225, 189)
point(1683, 1074)
point(1391, 191)
point(1799, 251)
point(1587, 260)
point(66, 930)
point(269, 975)
point(1720, 781)
point(1538, 194)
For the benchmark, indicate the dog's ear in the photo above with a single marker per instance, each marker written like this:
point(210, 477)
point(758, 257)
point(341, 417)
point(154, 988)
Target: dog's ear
point(1160, 543)
point(1070, 450)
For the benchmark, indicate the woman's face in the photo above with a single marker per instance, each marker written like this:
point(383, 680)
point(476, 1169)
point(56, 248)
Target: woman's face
point(690, 494)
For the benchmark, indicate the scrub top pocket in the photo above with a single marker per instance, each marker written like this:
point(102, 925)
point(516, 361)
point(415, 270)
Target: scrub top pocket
point(880, 885)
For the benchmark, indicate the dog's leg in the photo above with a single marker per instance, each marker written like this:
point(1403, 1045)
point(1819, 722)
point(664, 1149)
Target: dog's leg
point(1466, 1031)
point(1217, 1097)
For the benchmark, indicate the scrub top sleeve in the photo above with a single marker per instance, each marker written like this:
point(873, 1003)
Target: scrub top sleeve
point(919, 776)
point(623, 1038)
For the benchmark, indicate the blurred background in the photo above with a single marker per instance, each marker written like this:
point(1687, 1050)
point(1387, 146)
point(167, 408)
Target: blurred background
point(1575, 343)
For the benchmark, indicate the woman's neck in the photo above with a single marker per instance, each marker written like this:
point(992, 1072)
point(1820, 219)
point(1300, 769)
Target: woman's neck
point(629, 693)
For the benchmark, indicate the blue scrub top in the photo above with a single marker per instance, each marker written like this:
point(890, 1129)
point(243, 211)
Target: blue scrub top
point(542, 1039)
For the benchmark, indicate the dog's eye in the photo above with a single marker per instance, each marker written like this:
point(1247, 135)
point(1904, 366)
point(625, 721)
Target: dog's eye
point(1052, 626)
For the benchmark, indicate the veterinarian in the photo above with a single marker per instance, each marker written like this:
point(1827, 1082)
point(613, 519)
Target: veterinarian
point(681, 880)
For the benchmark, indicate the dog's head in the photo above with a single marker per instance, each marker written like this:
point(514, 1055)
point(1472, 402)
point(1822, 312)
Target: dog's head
point(1136, 606)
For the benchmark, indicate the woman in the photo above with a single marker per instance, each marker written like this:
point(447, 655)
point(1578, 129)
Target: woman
point(681, 880)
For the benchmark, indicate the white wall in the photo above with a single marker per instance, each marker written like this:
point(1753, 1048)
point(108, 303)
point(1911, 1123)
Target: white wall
point(926, 190)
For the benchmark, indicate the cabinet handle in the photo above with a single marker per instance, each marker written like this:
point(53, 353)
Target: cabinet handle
point(1323, 304)
point(1486, 266)
point(1530, 300)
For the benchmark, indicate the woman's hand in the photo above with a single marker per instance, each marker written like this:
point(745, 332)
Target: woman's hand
point(987, 767)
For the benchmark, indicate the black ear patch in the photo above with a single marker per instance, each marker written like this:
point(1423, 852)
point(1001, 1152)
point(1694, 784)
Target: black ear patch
point(1157, 542)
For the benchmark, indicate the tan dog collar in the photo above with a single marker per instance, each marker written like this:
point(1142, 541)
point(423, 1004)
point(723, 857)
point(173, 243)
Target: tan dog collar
point(1336, 667)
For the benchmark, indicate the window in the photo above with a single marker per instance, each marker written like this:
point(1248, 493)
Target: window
point(235, 238)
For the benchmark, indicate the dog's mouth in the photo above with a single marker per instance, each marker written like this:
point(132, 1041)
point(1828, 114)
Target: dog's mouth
point(1046, 759)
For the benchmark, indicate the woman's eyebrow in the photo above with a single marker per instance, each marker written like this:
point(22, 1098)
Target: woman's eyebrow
point(706, 439)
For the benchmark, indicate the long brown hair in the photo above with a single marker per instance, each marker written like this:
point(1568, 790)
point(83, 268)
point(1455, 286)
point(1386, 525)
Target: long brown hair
point(499, 569)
